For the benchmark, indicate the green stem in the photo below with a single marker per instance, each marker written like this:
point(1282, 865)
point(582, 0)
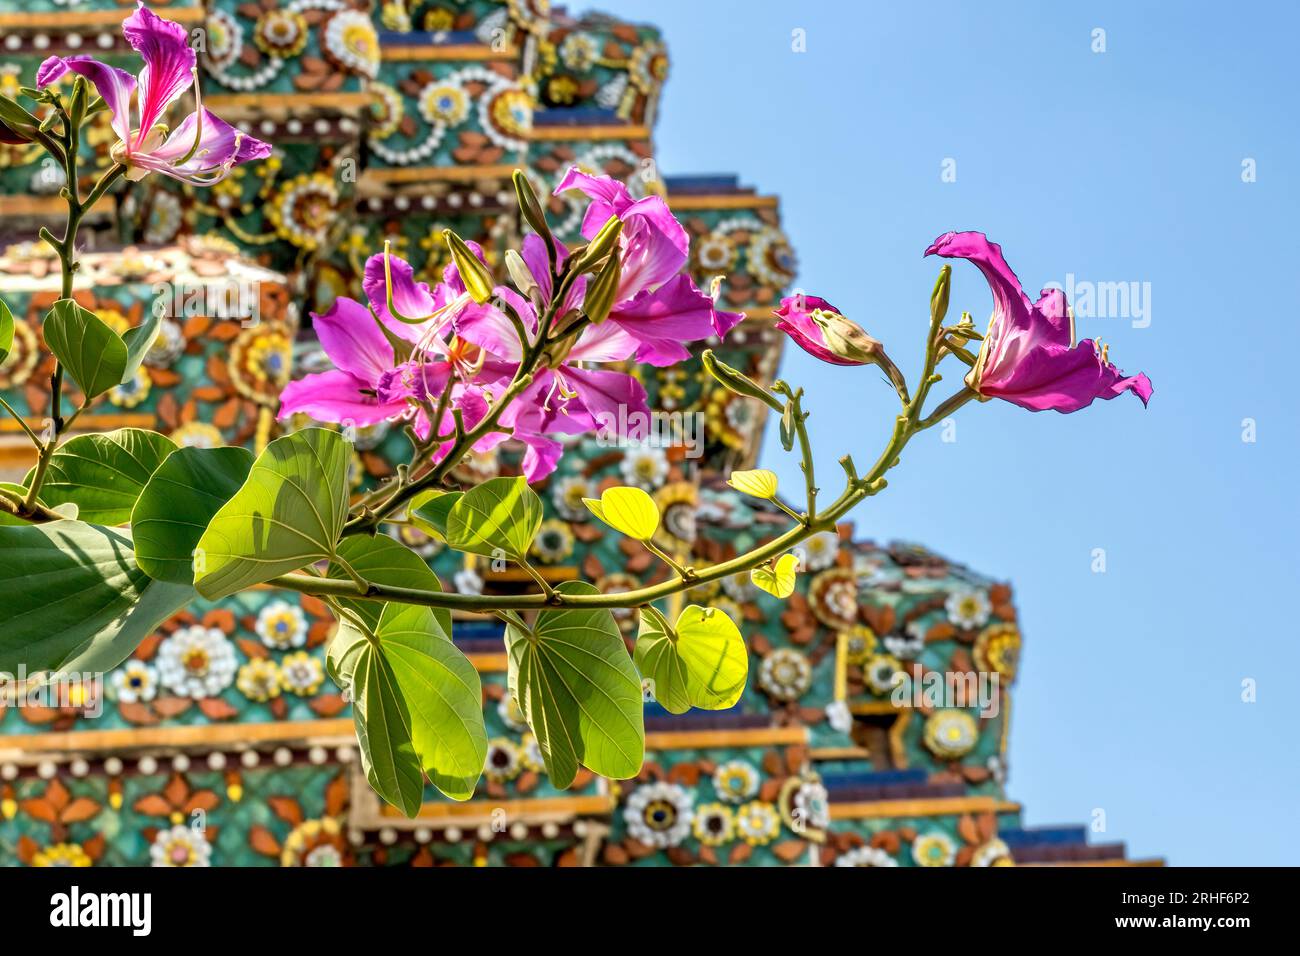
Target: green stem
point(787, 509)
point(67, 252)
point(366, 523)
point(682, 572)
point(856, 490)
point(659, 616)
point(533, 573)
point(799, 417)
point(23, 422)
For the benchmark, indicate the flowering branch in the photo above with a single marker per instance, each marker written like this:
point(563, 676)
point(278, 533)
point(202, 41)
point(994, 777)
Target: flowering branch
point(461, 367)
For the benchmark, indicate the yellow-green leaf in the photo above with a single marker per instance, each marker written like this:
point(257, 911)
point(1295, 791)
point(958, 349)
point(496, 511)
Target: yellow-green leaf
point(578, 690)
point(760, 482)
point(500, 516)
point(416, 705)
point(778, 581)
point(629, 510)
point(288, 513)
point(701, 663)
point(429, 511)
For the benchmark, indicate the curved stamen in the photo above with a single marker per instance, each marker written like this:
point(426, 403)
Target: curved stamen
point(198, 122)
point(458, 302)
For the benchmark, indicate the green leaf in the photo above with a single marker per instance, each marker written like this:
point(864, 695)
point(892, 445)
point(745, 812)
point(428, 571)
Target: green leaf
point(288, 513)
point(176, 505)
point(382, 723)
point(628, 510)
point(759, 483)
point(92, 353)
point(103, 473)
point(778, 580)
point(500, 516)
point(701, 663)
point(138, 342)
point(429, 511)
point(381, 560)
point(6, 331)
point(417, 705)
point(72, 598)
point(575, 683)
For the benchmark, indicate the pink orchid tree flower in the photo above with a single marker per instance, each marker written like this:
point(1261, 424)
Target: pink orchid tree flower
point(202, 150)
point(413, 345)
point(1029, 355)
point(564, 398)
point(656, 304)
point(368, 385)
point(804, 318)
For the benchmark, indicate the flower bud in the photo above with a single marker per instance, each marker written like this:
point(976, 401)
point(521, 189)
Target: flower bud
point(739, 382)
point(80, 98)
point(602, 290)
point(475, 275)
point(601, 245)
point(939, 297)
point(530, 207)
point(520, 275)
point(845, 338)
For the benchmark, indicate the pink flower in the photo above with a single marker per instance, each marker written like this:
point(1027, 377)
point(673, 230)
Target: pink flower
point(658, 306)
point(202, 150)
point(368, 385)
point(1029, 356)
point(564, 398)
point(805, 318)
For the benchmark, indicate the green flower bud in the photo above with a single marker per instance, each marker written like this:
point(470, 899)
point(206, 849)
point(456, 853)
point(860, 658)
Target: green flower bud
point(475, 275)
point(530, 207)
point(739, 382)
point(845, 337)
point(520, 275)
point(600, 246)
point(939, 297)
point(601, 291)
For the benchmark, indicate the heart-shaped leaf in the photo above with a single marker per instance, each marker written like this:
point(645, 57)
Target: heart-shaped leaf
point(575, 683)
point(778, 581)
point(760, 483)
point(381, 719)
point(72, 598)
point(91, 352)
point(430, 510)
point(702, 662)
point(6, 331)
point(381, 560)
point(499, 517)
point(417, 705)
point(177, 504)
point(103, 473)
point(289, 513)
point(628, 510)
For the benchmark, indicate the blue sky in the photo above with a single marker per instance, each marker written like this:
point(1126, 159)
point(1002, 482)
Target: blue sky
point(1121, 166)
